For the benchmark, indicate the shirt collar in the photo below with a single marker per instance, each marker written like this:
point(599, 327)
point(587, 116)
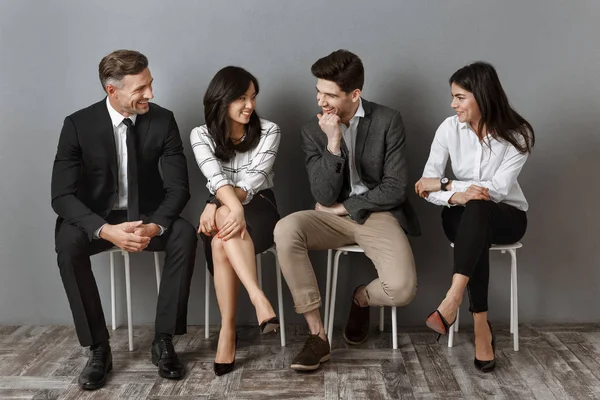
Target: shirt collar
point(115, 116)
point(360, 111)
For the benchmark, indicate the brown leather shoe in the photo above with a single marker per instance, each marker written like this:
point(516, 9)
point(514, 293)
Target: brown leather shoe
point(357, 327)
point(314, 352)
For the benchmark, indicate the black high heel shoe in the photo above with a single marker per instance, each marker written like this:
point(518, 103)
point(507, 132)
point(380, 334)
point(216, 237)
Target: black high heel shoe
point(225, 368)
point(435, 319)
point(487, 366)
point(270, 325)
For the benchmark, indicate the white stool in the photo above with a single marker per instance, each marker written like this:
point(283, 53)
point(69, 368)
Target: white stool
point(330, 308)
point(259, 275)
point(125, 254)
point(514, 296)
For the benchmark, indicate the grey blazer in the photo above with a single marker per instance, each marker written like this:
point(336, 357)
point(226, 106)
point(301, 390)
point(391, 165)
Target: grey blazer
point(381, 163)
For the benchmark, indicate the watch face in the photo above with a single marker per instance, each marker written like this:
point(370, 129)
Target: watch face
point(444, 180)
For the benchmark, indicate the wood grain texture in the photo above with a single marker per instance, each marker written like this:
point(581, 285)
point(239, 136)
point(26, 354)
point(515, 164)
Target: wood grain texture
point(555, 362)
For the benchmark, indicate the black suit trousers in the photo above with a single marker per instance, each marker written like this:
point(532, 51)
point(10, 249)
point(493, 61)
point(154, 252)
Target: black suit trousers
point(74, 250)
point(473, 229)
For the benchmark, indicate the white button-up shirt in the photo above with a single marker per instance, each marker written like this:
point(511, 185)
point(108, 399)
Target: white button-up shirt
point(489, 163)
point(349, 134)
point(120, 131)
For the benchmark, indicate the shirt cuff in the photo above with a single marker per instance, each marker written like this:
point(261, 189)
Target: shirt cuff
point(249, 192)
point(162, 230)
point(97, 233)
point(458, 186)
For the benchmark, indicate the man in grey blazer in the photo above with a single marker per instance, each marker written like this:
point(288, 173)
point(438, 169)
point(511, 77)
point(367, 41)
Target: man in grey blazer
point(357, 167)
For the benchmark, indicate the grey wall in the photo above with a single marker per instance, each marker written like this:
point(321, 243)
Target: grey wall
point(544, 51)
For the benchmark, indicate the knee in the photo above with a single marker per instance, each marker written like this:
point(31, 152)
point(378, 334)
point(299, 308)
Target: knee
point(222, 213)
point(71, 241)
point(478, 205)
point(183, 235)
point(400, 293)
point(218, 250)
point(287, 231)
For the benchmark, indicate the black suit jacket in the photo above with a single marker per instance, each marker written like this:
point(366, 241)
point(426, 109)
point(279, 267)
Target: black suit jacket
point(381, 162)
point(84, 176)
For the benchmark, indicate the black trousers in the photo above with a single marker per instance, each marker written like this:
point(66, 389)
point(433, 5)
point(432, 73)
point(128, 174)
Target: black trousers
point(473, 229)
point(261, 216)
point(74, 250)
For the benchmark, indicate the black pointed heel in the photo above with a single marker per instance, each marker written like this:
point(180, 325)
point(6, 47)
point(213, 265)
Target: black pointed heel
point(487, 366)
point(225, 368)
point(270, 325)
point(431, 323)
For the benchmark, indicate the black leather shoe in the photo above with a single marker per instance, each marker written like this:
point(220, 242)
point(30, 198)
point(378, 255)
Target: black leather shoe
point(488, 365)
point(164, 356)
point(357, 327)
point(98, 366)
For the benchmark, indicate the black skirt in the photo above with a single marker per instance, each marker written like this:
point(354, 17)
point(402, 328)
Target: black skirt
point(261, 217)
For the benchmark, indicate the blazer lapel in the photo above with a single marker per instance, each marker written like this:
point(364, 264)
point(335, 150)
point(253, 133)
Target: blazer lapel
point(107, 137)
point(142, 125)
point(361, 135)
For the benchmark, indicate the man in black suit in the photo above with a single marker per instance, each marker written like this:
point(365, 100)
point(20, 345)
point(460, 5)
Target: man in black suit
point(108, 191)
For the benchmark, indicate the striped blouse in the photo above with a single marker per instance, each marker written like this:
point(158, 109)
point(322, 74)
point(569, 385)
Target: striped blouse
point(251, 171)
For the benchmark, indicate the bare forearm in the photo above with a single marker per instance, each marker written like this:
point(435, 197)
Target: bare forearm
point(227, 196)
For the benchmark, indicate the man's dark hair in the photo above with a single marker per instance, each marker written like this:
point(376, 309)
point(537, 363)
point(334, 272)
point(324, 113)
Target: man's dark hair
point(342, 67)
point(119, 63)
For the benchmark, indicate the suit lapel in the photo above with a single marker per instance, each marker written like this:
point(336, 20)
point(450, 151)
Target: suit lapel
point(142, 125)
point(107, 137)
point(361, 135)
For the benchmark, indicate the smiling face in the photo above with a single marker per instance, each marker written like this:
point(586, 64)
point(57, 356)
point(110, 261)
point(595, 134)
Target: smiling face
point(465, 105)
point(240, 110)
point(131, 95)
point(334, 100)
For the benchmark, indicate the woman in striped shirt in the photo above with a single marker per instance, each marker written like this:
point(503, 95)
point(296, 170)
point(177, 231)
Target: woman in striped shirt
point(235, 151)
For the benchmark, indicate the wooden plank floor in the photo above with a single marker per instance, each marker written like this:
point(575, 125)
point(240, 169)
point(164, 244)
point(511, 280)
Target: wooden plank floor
point(555, 362)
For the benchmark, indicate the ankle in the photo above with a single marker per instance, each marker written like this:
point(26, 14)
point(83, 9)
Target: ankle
point(360, 296)
point(162, 336)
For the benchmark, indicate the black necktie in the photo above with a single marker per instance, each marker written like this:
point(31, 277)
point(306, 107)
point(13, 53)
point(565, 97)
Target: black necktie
point(133, 204)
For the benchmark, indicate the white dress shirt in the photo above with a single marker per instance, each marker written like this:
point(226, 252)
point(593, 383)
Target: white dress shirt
point(489, 163)
point(349, 134)
point(251, 171)
point(120, 132)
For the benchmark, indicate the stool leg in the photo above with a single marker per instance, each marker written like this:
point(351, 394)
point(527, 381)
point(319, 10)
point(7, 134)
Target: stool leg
point(157, 269)
point(394, 329)
point(206, 302)
point(515, 299)
point(128, 293)
point(259, 270)
point(280, 301)
point(113, 305)
point(381, 317)
point(327, 288)
point(336, 264)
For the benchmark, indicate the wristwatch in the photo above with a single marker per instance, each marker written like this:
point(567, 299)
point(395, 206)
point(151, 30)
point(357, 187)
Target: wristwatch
point(443, 184)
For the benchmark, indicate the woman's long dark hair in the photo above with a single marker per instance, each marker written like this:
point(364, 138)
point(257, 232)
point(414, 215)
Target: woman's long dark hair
point(228, 85)
point(498, 118)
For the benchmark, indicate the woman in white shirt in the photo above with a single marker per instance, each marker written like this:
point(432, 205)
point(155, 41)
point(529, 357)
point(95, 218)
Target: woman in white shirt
point(488, 143)
point(235, 151)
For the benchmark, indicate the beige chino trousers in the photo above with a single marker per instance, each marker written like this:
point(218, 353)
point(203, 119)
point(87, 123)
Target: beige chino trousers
point(381, 237)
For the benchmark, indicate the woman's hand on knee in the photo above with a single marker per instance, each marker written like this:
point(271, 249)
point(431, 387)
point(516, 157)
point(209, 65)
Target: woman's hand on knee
point(233, 224)
point(208, 221)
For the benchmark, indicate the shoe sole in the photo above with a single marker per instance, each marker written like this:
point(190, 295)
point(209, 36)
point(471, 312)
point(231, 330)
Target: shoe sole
point(270, 328)
point(301, 367)
point(100, 384)
point(355, 343)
